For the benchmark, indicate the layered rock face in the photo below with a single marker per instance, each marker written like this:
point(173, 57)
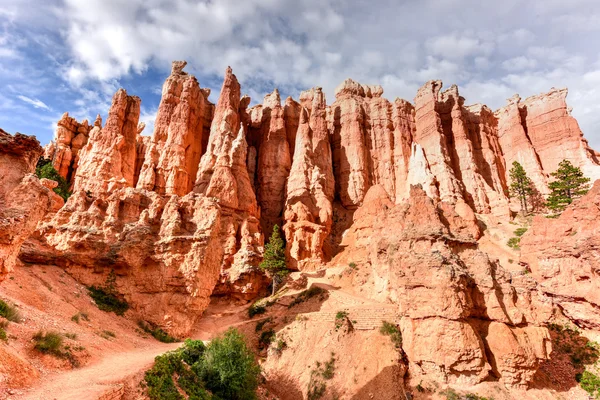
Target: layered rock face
point(165, 252)
point(69, 138)
point(310, 186)
point(563, 257)
point(458, 308)
point(24, 199)
point(172, 157)
point(223, 175)
point(107, 161)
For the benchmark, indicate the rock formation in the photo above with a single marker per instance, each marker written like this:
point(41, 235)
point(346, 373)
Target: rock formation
point(310, 187)
point(223, 175)
point(172, 157)
point(24, 199)
point(165, 252)
point(107, 161)
point(69, 139)
point(456, 305)
point(563, 257)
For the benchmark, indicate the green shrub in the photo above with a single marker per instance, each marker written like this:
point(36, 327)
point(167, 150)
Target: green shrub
point(393, 332)
point(260, 325)
point(307, 295)
point(316, 384)
point(520, 232)
point(108, 334)
point(3, 335)
point(107, 301)
point(352, 265)
point(80, 316)
point(72, 336)
point(266, 338)
point(224, 370)
point(49, 343)
point(514, 243)
point(44, 169)
point(256, 309)
point(590, 383)
point(9, 312)
point(228, 368)
point(340, 317)
point(156, 332)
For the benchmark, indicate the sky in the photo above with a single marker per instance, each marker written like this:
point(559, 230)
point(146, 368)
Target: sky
point(71, 56)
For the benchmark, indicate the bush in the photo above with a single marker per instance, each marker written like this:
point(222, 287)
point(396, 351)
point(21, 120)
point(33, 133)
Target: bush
point(49, 343)
point(256, 309)
point(228, 368)
point(44, 169)
point(3, 335)
point(590, 383)
point(323, 371)
point(72, 336)
point(266, 338)
point(306, 295)
point(340, 317)
point(260, 325)
point(107, 301)
point(80, 316)
point(514, 243)
point(224, 370)
point(352, 265)
point(156, 332)
point(9, 312)
point(108, 334)
point(393, 332)
point(520, 232)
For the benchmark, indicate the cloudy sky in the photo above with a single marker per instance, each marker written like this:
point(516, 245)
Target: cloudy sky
point(72, 55)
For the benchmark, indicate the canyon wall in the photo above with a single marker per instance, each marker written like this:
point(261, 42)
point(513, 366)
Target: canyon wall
point(210, 183)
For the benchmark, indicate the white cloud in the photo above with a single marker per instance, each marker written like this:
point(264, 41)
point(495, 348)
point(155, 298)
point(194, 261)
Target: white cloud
point(34, 102)
point(519, 63)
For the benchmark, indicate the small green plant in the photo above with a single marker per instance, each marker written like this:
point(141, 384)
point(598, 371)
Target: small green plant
point(3, 335)
point(45, 169)
point(156, 332)
point(80, 316)
point(340, 318)
point(266, 338)
point(520, 232)
point(322, 372)
point(49, 343)
point(107, 334)
point(352, 265)
point(72, 336)
point(514, 243)
point(590, 383)
point(256, 309)
point(280, 345)
point(393, 332)
point(106, 297)
point(9, 312)
point(305, 295)
point(260, 325)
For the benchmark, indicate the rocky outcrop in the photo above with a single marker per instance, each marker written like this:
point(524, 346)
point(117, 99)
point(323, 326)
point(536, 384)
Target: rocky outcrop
point(24, 199)
point(457, 306)
point(274, 163)
point(165, 252)
point(310, 187)
point(555, 134)
point(563, 257)
point(107, 162)
point(223, 175)
point(172, 157)
point(69, 139)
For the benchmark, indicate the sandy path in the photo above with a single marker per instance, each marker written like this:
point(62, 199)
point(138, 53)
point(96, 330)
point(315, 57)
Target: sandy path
point(91, 381)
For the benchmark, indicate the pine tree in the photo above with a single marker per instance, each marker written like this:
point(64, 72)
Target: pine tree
point(569, 184)
point(44, 169)
point(274, 258)
point(521, 186)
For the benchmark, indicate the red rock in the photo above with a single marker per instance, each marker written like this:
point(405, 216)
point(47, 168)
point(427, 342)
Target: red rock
point(69, 138)
point(274, 163)
point(310, 188)
point(24, 199)
point(107, 162)
point(171, 163)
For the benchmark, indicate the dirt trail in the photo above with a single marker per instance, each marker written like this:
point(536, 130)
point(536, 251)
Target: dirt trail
point(92, 381)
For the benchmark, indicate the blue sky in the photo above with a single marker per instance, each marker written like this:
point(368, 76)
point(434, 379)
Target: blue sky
point(72, 55)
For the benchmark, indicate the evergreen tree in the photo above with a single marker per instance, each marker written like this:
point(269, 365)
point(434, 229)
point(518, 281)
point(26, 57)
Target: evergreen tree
point(569, 184)
point(274, 258)
point(521, 186)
